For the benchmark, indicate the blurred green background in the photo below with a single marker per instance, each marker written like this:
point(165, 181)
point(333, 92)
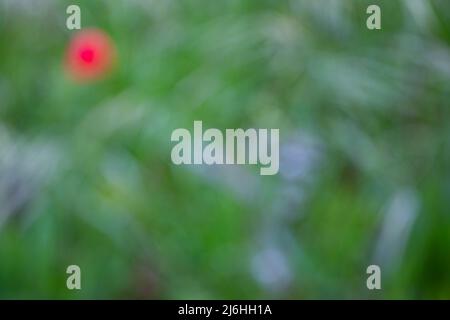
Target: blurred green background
point(86, 176)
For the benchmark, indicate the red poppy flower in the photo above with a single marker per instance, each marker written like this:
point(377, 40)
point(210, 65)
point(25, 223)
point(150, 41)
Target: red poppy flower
point(90, 55)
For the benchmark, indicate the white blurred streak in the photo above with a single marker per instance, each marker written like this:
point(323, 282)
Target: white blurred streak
point(25, 167)
point(331, 15)
point(271, 269)
point(421, 12)
point(299, 157)
point(399, 219)
point(28, 7)
point(439, 59)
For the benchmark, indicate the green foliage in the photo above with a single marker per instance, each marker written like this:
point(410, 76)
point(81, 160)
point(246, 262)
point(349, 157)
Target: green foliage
point(86, 176)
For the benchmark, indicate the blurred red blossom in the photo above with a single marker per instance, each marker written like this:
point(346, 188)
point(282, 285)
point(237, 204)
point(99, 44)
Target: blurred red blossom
point(90, 55)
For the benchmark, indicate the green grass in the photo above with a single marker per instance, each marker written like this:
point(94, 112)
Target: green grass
point(86, 176)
